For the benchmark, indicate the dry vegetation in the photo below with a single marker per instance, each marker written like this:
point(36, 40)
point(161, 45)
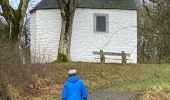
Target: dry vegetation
point(42, 81)
point(154, 31)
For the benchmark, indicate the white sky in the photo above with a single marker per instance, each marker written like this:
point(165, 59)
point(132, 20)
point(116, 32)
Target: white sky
point(14, 3)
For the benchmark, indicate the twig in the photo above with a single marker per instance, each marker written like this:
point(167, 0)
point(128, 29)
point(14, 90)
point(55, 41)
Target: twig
point(1, 14)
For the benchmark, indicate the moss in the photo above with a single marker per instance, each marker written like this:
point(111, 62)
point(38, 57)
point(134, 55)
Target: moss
point(62, 58)
point(15, 31)
point(13, 17)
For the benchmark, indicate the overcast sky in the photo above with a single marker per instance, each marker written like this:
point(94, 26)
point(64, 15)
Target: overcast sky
point(14, 3)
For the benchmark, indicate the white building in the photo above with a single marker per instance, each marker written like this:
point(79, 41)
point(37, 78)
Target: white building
point(110, 25)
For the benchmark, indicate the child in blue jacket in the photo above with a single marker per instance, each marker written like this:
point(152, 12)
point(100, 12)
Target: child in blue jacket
point(74, 88)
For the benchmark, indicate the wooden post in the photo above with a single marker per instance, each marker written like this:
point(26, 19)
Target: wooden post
point(123, 57)
point(102, 57)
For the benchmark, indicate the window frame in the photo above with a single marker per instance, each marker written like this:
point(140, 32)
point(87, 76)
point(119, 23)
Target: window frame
point(95, 15)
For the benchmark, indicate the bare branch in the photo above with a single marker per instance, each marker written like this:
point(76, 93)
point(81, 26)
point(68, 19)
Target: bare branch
point(7, 10)
point(147, 9)
point(23, 7)
point(72, 5)
point(1, 14)
point(62, 4)
point(63, 7)
point(0, 2)
point(154, 1)
point(5, 3)
point(23, 4)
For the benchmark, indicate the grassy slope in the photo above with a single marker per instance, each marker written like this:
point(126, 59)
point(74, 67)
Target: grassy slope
point(149, 78)
point(116, 76)
point(126, 77)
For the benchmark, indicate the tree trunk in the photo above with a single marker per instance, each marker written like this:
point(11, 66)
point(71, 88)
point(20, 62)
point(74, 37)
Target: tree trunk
point(67, 14)
point(65, 39)
point(70, 33)
point(14, 30)
point(62, 54)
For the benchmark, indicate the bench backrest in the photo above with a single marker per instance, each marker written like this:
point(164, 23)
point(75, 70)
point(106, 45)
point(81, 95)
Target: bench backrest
point(111, 53)
point(102, 55)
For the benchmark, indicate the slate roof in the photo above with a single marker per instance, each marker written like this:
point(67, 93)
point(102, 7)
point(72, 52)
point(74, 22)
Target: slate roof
point(93, 4)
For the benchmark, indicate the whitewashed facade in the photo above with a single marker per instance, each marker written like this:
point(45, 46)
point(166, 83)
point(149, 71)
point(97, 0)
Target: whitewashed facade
point(121, 34)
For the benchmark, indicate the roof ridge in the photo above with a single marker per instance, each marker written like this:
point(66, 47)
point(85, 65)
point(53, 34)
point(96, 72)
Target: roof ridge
point(93, 4)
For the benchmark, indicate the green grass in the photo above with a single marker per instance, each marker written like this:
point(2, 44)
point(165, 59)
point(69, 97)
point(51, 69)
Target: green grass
point(143, 84)
point(145, 78)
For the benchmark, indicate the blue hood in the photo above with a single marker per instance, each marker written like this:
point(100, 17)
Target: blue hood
point(73, 79)
point(74, 89)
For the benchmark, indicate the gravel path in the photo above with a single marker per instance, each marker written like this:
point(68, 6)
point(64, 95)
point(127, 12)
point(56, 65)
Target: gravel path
point(108, 94)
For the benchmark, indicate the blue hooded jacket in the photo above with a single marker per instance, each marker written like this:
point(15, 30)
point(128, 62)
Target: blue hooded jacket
point(74, 89)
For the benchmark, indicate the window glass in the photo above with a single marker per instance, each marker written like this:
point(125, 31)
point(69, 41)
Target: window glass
point(101, 23)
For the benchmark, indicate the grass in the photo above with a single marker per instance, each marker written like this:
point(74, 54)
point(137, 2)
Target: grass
point(122, 77)
point(142, 84)
point(148, 78)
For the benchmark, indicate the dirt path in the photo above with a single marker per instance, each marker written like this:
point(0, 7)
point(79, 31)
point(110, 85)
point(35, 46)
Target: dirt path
point(108, 94)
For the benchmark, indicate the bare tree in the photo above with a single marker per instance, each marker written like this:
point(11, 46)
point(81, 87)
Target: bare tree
point(67, 8)
point(154, 33)
point(14, 17)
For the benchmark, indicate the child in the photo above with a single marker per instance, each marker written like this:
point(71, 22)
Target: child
point(74, 88)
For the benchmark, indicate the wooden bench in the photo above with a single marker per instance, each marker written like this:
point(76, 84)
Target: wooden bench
point(102, 56)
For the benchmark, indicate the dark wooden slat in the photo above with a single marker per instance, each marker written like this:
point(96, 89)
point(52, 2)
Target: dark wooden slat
point(113, 59)
point(110, 53)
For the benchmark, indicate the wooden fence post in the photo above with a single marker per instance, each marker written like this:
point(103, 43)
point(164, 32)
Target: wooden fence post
point(123, 57)
point(102, 57)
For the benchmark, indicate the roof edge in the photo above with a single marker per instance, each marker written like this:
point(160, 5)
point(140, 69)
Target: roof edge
point(33, 10)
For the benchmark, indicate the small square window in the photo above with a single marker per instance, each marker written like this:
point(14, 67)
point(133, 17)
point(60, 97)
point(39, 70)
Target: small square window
point(101, 22)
